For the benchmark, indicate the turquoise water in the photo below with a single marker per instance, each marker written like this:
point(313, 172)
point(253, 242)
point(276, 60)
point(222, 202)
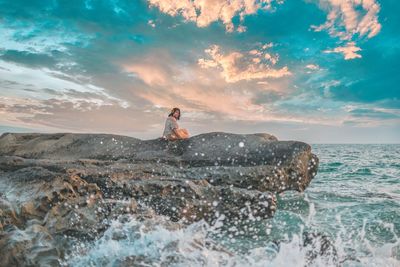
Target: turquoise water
point(354, 201)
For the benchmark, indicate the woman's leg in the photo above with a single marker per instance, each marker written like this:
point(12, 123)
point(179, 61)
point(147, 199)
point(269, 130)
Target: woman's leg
point(172, 137)
point(186, 133)
point(183, 133)
point(180, 134)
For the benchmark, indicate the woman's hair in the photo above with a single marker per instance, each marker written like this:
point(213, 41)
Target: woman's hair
point(173, 111)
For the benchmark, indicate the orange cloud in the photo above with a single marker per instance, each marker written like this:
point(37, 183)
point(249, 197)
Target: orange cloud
point(149, 74)
point(207, 11)
point(349, 51)
point(347, 19)
point(203, 94)
point(344, 13)
point(236, 66)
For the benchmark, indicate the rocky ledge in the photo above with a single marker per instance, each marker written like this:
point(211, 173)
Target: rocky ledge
point(54, 186)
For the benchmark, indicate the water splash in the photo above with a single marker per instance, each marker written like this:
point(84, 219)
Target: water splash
point(352, 205)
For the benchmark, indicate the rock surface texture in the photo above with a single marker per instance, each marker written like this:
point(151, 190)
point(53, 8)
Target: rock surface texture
point(59, 187)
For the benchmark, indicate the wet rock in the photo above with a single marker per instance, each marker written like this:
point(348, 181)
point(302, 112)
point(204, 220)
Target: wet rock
point(7, 214)
point(257, 160)
point(32, 246)
point(75, 185)
point(319, 245)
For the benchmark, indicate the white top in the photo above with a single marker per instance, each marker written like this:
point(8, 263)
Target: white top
point(170, 124)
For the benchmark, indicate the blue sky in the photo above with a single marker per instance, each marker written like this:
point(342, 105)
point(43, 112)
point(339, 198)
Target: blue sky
point(319, 71)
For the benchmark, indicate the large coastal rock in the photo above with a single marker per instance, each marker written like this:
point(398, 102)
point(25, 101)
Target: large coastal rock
point(55, 186)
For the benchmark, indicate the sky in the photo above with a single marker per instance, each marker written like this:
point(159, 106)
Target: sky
point(318, 71)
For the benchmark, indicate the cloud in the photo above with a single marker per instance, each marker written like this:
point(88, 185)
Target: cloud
point(147, 72)
point(78, 116)
point(192, 88)
point(45, 84)
point(349, 51)
point(207, 11)
point(322, 110)
point(33, 59)
point(369, 111)
point(40, 38)
point(312, 67)
point(236, 66)
point(368, 115)
point(206, 97)
point(151, 23)
point(349, 17)
point(350, 20)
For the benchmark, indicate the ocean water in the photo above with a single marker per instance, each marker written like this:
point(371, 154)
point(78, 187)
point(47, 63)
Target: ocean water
point(353, 203)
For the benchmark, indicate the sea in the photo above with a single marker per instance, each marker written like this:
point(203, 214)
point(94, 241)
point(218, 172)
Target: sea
point(351, 210)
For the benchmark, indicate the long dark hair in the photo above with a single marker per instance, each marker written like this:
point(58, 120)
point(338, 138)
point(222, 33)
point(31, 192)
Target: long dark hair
point(173, 111)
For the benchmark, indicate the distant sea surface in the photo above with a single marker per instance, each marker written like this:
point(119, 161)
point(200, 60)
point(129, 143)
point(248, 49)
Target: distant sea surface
point(354, 201)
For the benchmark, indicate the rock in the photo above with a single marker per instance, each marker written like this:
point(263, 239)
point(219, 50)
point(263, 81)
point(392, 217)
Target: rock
point(7, 214)
point(320, 246)
point(256, 160)
point(76, 184)
point(193, 202)
point(32, 246)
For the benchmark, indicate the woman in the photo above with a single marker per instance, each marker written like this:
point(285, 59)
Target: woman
point(172, 130)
